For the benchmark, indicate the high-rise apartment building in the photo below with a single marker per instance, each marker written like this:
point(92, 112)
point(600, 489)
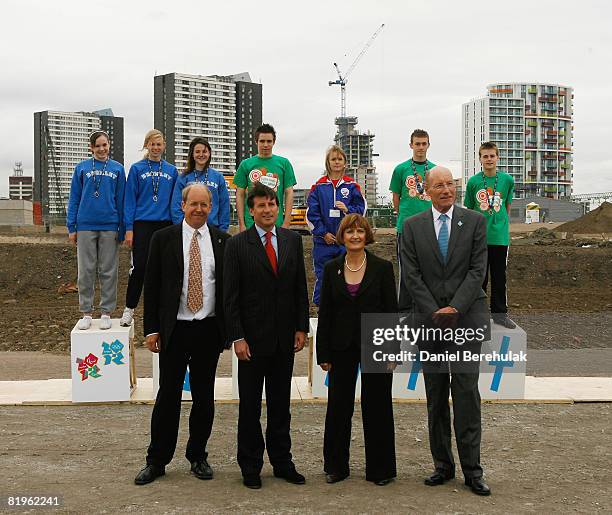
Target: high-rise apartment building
point(20, 186)
point(532, 125)
point(61, 141)
point(224, 110)
point(358, 147)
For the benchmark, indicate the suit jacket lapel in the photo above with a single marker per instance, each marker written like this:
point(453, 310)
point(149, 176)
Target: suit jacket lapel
point(282, 245)
point(258, 249)
point(178, 250)
point(216, 245)
point(339, 278)
point(455, 230)
point(368, 276)
point(429, 233)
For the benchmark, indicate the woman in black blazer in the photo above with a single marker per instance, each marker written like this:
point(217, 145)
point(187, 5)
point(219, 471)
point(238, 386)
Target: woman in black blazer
point(355, 283)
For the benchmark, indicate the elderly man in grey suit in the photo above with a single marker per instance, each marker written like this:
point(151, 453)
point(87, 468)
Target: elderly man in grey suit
point(444, 257)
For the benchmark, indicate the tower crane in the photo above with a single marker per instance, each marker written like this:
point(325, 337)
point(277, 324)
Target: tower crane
point(341, 81)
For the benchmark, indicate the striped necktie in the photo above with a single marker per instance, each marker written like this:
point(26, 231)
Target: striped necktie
point(443, 236)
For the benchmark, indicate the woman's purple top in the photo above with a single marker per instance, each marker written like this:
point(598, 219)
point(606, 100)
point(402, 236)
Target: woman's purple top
point(352, 289)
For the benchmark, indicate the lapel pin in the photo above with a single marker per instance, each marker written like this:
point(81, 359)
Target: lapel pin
point(339, 271)
point(459, 223)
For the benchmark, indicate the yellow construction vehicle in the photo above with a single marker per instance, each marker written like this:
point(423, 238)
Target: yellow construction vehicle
point(298, 220)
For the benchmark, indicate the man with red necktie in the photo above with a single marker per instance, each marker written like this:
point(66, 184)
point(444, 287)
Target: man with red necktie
point(266, 312)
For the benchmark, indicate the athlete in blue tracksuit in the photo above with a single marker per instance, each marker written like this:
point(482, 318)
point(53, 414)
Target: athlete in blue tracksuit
point(328, 202)
point(148, 194)
point(95, 224)
point(198, 169)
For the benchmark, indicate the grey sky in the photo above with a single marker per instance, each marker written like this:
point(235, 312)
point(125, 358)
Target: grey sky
point(430, 58)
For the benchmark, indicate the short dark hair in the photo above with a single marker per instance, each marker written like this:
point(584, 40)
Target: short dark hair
point(419, 133)
point(488, 145)
point(260, 190)
point(93, 137)
point(354, 220)
point(198, 140)
point(266, 128)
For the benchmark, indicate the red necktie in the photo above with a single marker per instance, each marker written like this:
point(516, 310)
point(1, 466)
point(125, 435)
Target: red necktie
point(270, 251)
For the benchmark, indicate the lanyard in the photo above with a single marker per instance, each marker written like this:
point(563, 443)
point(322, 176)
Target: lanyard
point(197, 177)
point(417, 179)
point(97, 178)
point(153, 174)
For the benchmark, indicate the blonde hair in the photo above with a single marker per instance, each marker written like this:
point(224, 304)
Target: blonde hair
point(152, 134)
point(334, 148)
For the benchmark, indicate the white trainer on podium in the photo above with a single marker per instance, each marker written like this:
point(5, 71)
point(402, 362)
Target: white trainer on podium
point(102, 363)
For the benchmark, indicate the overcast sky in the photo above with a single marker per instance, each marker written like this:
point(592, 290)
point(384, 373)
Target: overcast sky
point(430, 58)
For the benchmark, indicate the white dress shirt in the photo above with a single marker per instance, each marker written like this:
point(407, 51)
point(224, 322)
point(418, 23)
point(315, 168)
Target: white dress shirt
point(438, 223)
point(208, 274)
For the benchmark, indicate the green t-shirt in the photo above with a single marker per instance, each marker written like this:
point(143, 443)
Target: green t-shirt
point(478, 191)
point(274, 171)
point(403, 182)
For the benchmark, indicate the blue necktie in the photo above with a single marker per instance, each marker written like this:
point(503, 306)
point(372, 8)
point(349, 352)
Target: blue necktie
point(443, 236)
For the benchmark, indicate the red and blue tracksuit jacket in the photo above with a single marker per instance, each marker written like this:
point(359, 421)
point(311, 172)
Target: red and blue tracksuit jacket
point(321, 200)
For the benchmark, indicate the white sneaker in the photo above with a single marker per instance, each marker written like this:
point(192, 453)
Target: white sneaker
point(105, 322)
point(84, 323)
point(127, 317)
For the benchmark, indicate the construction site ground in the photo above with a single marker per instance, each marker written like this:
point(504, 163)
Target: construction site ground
point(551, 457)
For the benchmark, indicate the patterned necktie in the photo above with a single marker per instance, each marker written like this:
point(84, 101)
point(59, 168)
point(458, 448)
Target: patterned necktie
point(195, 294)
point(270, 251)
point(443, 236)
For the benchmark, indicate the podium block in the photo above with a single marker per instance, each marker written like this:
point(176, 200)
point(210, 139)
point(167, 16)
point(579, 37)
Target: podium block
point(498, 379)
point(102, 363)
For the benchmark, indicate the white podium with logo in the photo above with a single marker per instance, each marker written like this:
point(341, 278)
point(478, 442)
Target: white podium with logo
point(102, 363)
point(498, 379)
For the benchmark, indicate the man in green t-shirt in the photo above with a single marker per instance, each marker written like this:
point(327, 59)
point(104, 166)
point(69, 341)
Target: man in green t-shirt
point(273, 171)
point(490, 193)
point(408, 188)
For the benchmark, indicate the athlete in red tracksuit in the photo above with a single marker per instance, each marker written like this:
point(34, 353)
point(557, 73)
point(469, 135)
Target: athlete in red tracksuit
point(331, 198)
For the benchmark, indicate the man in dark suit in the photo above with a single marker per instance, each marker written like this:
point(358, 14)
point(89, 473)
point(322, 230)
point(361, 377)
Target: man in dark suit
point(444, 256)
point(183, 321)
point(266, 310)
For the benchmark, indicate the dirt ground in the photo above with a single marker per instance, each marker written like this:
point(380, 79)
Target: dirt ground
point(558, 290)
point(537, 458)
